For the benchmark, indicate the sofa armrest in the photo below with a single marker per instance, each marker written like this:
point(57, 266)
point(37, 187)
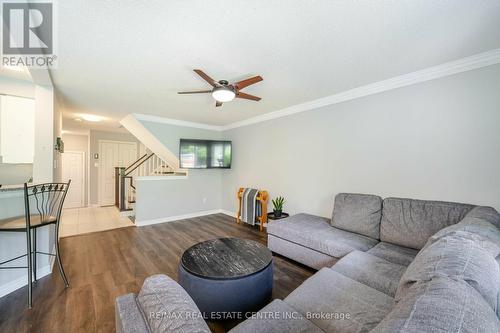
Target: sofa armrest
point(488, 214)
point(129, 318)
point(167, 307)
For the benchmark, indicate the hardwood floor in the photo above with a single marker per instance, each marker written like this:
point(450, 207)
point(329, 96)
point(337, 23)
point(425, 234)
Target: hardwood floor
point(103, 265)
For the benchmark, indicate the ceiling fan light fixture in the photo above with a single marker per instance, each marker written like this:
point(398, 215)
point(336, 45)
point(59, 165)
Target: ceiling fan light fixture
point(223, 94)
point(91, 118)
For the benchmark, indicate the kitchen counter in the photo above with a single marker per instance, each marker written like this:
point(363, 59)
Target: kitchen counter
point(8, 188)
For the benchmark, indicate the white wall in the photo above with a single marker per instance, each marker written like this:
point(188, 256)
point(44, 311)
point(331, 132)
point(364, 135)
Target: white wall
point(9, 86)
point(200, 192)
point(19, 88)
point(45, 131)
point(17, 129)
point(57, 133)
point(437, 140)
point(176, 197)
point(434, 140)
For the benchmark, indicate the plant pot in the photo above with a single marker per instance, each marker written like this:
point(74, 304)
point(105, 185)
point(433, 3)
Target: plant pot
point(277, 213)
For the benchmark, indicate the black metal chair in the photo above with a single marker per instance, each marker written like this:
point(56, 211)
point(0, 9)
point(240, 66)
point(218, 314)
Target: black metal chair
point(43, 206)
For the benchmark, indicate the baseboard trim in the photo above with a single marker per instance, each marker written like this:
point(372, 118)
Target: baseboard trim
point(228, 213)
point(23, 280)
point(177, 217)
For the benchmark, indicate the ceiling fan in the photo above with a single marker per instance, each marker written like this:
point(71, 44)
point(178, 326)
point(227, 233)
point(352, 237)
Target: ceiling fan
point(222, 91)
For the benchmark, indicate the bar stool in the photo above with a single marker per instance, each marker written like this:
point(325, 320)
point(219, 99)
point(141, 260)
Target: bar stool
point(42, 205)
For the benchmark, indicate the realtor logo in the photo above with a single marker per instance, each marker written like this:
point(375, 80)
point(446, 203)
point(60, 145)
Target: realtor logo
point(28, 34)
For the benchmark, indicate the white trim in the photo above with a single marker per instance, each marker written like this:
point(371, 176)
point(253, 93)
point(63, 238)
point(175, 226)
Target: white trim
point(163, 120)
point(177, 218)
point(228, 213)
point(165, 177)
point(476, 61)
point(23, 281)
point(431, 73)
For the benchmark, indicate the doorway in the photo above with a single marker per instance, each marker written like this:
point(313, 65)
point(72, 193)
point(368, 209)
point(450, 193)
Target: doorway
point(113, 154)
point(73, 167)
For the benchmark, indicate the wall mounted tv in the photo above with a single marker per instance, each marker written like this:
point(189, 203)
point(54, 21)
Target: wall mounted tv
point(205, 154)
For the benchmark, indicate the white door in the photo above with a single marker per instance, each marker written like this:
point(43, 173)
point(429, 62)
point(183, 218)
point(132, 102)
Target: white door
point(73, 167)
point(113, 154)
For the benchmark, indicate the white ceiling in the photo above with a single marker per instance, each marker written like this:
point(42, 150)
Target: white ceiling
point(121, 57)
point(22, 74)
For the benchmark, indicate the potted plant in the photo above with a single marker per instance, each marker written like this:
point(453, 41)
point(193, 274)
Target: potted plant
point(278, 206)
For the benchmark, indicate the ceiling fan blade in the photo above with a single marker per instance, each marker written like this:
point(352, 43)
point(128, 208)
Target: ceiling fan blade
point(195, 92)
point(245, 83)
point(217, 103)
point(206, 77)
point(247, 96)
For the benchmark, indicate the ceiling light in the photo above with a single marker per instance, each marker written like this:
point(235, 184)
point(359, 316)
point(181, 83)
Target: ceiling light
point(91, 117)
point(223, 94)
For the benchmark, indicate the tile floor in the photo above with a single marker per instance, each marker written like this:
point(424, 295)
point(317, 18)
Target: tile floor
point(76, 221)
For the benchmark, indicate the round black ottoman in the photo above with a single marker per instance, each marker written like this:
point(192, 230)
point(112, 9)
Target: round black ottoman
point(227, 277)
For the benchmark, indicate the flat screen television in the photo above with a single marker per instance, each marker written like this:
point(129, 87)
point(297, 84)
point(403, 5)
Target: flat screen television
point(204, 154)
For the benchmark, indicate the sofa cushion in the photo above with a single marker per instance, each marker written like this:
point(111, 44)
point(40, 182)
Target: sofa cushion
point(299, 253)
point(316, 233)
point(277, 317)
point(485, 213)
point(372, 271)
point(458, 258)
point(394, 253)
point(336, 303)
point(475, 228)
point(128, 315)
point(498, 295)
point(359, 213)
point(409, 222)
point(168, 307)
point(440, 305)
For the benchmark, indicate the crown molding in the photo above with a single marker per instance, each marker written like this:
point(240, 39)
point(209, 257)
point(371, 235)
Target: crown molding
point(450, 68)
point(163, 120)
point(476, 61)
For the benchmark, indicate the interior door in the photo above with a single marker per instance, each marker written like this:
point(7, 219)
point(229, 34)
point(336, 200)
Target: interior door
point(73, 165)
point(113, 154)
point(127, 154)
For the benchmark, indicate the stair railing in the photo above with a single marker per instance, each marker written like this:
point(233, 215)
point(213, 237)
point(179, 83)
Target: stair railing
point(147, 165)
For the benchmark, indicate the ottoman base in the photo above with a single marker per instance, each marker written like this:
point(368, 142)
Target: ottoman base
point(229, 298)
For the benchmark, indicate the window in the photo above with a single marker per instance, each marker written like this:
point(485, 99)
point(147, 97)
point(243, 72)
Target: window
point(205, 154)
point(17, 129)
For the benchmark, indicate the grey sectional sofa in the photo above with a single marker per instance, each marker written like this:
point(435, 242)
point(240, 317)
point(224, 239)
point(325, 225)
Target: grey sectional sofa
point(392, 265)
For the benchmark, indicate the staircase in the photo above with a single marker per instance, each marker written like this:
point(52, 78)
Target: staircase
point(148, 165)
